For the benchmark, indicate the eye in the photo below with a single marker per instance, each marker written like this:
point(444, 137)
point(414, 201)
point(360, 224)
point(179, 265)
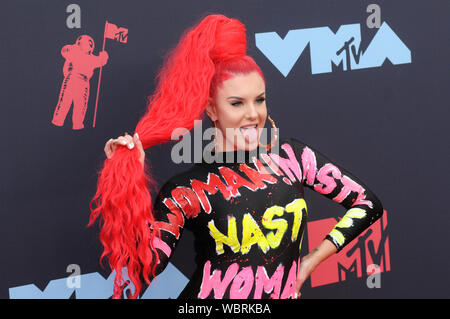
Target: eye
point(237, 103)
point(260, 100)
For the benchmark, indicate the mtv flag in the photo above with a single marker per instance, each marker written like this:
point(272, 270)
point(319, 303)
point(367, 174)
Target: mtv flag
point(115, 33)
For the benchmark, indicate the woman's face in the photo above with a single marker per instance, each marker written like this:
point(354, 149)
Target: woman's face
point(239, 111)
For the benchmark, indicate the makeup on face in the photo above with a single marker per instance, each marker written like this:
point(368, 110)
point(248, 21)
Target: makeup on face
point(241, 111)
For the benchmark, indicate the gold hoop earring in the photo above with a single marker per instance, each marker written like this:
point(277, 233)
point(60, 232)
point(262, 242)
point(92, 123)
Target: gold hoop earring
point(275, 135)
point(215, 136)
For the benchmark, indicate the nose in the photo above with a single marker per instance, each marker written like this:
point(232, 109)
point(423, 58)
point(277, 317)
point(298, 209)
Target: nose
point(251, 114)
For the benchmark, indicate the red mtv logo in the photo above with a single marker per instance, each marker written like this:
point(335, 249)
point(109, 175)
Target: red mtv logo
point(371, 247)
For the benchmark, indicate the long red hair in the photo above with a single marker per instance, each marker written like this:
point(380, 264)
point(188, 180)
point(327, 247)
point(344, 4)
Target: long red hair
point(207, 54)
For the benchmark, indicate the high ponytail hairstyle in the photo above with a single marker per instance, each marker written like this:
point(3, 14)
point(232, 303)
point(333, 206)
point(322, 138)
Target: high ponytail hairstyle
point(206, 55)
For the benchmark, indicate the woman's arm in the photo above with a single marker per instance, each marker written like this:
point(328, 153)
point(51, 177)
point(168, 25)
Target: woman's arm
point(308, 263)
point(362, 206)
point(169, 220)
point(331, 180)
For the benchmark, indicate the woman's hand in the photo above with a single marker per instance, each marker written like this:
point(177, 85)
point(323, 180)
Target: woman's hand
point(305, 270)
point(128, 141)
point(311, 261)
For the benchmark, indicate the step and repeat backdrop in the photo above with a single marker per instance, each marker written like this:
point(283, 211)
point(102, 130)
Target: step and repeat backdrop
point(364, 82)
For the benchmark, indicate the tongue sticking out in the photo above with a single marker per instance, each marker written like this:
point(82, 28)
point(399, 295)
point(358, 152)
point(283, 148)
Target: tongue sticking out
point(250, 134)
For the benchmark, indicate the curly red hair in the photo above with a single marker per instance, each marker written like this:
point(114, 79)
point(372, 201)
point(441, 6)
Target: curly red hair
point(207, 54)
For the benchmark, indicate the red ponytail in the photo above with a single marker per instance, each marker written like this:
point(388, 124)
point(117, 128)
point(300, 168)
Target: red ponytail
point(123, 201)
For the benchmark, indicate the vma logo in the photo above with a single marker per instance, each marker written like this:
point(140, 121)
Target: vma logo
point(167, 284)
point(356, 259)
point(326, 47)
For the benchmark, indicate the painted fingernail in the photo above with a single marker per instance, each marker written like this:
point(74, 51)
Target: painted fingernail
point(137, 135)
point(123, 142)
point(295, 296)
point(131, 145)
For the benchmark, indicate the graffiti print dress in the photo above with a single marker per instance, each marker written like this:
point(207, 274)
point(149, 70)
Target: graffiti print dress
point(248, 218)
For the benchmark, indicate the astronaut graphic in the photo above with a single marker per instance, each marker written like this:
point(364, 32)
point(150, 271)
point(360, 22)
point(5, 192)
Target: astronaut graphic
point(78, 69)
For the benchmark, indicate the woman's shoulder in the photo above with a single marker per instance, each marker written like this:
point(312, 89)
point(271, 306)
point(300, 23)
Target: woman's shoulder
point(180, 179)
point(292, 141)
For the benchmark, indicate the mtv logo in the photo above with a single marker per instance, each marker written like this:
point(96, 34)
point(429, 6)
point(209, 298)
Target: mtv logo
point(371, 247)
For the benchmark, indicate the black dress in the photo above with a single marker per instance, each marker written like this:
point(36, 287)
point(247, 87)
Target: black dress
point(248, 218)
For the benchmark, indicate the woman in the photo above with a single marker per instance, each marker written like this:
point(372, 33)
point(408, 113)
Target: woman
point(247, 218)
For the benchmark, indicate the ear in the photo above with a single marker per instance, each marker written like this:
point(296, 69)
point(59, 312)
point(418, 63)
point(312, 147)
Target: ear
point(211, 111)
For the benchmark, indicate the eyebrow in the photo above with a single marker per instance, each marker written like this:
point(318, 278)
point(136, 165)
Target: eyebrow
point(240, 98)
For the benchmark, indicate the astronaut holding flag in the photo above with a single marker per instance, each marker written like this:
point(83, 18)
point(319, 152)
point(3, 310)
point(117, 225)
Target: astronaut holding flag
point(78, 69)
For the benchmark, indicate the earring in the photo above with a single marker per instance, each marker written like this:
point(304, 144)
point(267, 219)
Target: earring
point(275, 135)
point(215, 135)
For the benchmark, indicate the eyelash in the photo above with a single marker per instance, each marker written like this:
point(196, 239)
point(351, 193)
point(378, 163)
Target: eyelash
point(260, 100)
